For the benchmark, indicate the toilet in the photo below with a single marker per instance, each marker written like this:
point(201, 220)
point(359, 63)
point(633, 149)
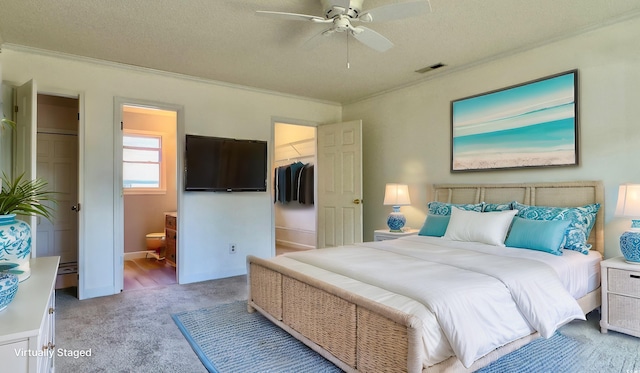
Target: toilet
point(155, 242)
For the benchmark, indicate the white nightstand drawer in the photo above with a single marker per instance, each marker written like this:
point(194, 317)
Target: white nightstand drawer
point(624, 282)
point(384, 238)
point(623, 312)
point(385, 234)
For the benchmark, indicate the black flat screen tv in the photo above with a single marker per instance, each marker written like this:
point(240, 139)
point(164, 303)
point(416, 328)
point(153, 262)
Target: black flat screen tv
point(225, 165)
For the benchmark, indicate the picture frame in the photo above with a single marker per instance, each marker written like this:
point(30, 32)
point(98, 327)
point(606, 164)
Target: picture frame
point(532, 124)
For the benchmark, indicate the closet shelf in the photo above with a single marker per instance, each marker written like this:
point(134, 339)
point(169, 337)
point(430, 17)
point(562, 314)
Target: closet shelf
point(296, 150)
point(311, 139)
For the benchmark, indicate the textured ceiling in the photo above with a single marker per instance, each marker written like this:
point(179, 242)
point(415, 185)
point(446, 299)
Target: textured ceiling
point(225, 41)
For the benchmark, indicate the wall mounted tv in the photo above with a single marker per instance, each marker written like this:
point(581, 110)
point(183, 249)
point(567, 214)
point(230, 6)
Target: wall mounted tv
point(225, 165)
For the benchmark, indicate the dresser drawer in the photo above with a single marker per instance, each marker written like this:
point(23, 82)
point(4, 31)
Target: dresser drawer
point(624, 282)
point(170, 235)
point(170, 222)
point(623, 312)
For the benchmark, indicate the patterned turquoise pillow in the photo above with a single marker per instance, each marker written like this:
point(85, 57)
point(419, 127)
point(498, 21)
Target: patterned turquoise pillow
point(491, 207)
point(435, 225)
point(442, 208)
point(581, 220)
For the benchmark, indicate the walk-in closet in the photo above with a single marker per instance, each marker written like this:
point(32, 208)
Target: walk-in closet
point(294, 185)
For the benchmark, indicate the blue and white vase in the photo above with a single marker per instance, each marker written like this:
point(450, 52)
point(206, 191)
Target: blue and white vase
point(396, 220)
point(15, 246)
point(630, 246)
point(8, 289)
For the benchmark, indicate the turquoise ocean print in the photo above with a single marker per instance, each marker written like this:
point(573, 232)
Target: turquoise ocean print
point(529, 125)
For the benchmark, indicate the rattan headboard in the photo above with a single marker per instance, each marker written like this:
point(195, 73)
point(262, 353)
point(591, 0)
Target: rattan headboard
point(562, 194)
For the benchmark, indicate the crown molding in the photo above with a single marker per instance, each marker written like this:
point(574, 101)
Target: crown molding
point(147, 70)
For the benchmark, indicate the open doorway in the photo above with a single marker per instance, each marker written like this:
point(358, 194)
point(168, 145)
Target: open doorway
point(295, 213)
point(149, 185)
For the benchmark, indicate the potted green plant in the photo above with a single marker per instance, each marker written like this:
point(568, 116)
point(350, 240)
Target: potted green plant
point(20, 196)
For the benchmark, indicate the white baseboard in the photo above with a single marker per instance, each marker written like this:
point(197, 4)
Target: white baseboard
point(66, 281)
point(295, 238)
point(137, 254)
point(294, 245)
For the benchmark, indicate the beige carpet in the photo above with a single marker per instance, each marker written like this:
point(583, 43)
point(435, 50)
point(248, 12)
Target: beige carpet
point(133, 331)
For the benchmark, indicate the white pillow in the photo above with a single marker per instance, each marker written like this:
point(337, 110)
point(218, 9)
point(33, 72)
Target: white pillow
point(486, 227)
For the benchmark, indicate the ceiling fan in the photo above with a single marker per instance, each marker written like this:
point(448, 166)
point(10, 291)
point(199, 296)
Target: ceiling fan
point(341, 14)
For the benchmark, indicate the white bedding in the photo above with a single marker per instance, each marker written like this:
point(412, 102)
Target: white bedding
point(481, 314)
point(579, 273)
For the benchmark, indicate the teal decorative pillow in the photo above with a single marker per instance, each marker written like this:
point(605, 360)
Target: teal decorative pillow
point(442, 208)
point(581, 221)
point(435, 225)
point(541, 235)
point(491, 207)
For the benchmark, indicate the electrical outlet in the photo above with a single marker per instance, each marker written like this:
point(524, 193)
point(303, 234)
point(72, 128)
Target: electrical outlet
point(232, 248)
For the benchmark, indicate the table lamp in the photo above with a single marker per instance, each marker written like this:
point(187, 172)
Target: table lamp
point(396, 195)
point(629, 206)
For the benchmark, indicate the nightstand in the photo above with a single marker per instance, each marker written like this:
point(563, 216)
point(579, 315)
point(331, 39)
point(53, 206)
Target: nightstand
point(385, 234)
point(620, 296)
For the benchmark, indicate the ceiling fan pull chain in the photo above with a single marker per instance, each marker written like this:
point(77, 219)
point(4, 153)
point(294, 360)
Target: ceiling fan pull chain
point(348, 66)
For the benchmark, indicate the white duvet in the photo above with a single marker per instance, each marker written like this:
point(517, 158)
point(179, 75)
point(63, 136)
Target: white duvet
point(470, 301)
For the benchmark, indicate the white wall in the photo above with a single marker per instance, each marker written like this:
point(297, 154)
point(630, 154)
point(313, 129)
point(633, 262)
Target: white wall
point(406, 133)
point(208, 221)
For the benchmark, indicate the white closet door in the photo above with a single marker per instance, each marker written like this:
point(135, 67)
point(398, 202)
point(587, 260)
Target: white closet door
point(58, 164)
point(26, 126)
point(339, 184)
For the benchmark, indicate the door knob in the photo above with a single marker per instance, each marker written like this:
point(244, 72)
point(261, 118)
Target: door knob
point(357, 201)
point(75, 208)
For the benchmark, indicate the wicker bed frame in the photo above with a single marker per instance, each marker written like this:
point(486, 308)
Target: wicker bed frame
point(359, 335)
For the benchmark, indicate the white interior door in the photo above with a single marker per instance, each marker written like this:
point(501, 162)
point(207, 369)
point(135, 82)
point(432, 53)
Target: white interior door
point(26, 117)
point(58, 164)
point(25, 160)
point(339, 184)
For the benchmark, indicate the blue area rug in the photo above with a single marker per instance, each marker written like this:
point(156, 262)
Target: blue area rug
point(228, 339)
point(558, 354)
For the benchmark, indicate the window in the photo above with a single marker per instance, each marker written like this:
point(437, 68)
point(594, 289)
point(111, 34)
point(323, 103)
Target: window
point(142, 165)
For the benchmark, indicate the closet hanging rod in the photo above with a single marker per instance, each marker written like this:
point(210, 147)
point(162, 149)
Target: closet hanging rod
point(295, 158)
point(296, 142)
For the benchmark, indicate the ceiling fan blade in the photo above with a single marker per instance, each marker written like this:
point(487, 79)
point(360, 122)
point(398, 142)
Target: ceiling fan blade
point(396, 11)
point(318, 38)
point(371, 39)
point(291, 16)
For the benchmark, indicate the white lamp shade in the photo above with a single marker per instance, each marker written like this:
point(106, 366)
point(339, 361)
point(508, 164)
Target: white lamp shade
point(397, 195)
point(628, 200)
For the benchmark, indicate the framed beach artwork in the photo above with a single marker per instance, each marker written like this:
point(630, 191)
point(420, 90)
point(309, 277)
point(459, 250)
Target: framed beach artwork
point(534, 124)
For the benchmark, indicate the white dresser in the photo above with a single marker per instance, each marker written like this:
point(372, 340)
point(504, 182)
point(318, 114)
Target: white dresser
point(27, 325)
